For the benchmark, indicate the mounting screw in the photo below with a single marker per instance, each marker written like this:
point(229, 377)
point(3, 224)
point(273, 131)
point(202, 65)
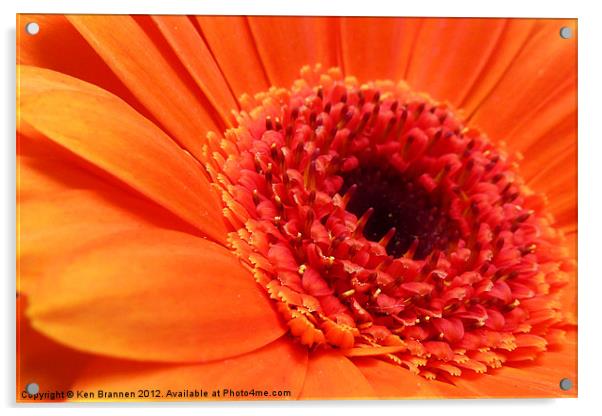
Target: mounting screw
point(32, 28)
point(566, 384)
point(566, 32)
point(32, 388)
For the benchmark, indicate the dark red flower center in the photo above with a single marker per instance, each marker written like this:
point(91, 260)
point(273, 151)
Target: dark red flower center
point(404, 213)
point(381, 225)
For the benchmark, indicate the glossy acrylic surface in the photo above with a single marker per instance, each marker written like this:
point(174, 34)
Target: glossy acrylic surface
point(222, 208)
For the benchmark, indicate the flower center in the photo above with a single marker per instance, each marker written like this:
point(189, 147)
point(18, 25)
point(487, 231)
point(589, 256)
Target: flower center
point(381, 225)
point(404, 213)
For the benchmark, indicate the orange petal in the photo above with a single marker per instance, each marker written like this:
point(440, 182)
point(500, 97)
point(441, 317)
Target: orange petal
point(377, 47)
point(54, 224)
point(543, 119)
point(543, 64)
point(62, 205)
point(285, 44)
point(393, 382)
point(233, 46)
point(43, 167)
point(515, 35)
point(41, 360)
point(45, 170)
point(332, 376)
point(131, 148)
point(191, 49)
point(140, 65)
point(450, 54)
point(154, 295)
point(277, 367)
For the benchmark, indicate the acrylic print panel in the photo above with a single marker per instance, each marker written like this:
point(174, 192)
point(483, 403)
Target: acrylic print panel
point(286, 208)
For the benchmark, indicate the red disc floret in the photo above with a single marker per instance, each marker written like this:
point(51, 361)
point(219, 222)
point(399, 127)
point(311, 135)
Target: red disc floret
point(381, 225)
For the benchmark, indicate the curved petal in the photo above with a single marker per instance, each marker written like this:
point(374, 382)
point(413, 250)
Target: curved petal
point(44, 167)
point(231, 43)
point(154, 295)
point(450, 54)
point(279, 366)
point(285, 44)
point(191, 49)
point(377, 47)
point(543, 64)
point(160, 89)
point(330, 375)
point(54, 224)
point(71, 112)
point(63, 204)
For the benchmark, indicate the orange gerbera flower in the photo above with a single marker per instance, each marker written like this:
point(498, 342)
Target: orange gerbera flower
point(194, 216)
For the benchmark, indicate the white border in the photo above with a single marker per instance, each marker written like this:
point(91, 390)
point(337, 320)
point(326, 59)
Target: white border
point(590, 207)
point(507, 8)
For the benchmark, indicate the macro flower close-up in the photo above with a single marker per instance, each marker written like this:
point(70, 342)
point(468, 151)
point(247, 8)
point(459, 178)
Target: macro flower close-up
point(287, 208)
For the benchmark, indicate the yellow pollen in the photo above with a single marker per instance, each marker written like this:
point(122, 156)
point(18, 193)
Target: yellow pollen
point(348, 293)
point(329, 260)
point(302, 269)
